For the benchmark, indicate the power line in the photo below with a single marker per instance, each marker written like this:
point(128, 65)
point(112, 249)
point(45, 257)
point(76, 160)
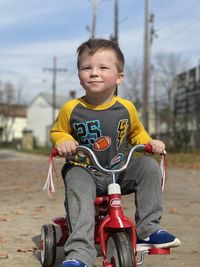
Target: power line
point(183, 27)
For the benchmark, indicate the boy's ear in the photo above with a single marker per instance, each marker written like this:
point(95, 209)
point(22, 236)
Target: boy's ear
point(79, 79)
point(120, 77)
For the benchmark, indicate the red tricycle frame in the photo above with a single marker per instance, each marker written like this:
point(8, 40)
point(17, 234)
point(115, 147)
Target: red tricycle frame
point(115, 233)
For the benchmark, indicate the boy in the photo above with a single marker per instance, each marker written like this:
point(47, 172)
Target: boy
point(99, 113)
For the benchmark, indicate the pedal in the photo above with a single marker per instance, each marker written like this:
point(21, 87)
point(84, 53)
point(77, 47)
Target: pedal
point(159, 251)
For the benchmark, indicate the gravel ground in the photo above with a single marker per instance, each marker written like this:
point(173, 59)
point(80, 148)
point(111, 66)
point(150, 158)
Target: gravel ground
point(25, 207)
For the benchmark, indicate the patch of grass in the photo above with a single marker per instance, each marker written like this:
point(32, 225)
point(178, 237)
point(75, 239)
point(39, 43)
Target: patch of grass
point(184, 159)
point(39, 150)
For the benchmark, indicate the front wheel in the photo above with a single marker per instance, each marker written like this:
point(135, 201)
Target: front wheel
point(48, 245)
point(119, 250)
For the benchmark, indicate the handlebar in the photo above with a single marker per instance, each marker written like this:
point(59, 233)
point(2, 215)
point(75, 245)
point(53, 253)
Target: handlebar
point(137, 148)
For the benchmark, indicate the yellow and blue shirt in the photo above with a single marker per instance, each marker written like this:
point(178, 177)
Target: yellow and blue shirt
point(105, 128)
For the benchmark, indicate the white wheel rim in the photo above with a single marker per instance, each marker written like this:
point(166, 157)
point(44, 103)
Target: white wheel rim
point(42, 244)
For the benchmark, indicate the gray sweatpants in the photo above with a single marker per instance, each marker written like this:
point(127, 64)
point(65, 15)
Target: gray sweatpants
point(143, 177)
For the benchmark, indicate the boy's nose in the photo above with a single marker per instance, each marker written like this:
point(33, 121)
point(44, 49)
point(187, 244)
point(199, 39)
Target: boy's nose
point(94, 71)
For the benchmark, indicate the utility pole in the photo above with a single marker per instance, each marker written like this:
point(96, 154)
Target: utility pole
point(149, 33)
point(146, 67)
point(92, 29)
point(54, 71)
point(114, 35)
point(156, 107)
point(94, 18)
point(116, 21)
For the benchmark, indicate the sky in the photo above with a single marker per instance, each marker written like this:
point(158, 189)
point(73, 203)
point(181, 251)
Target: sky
point(32, 32)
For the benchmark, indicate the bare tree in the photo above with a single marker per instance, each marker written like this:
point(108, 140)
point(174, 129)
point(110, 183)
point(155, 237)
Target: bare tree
point(168, 65)
point(1, 91)
point(132, 83)
point(9, 106)
point(166, 68)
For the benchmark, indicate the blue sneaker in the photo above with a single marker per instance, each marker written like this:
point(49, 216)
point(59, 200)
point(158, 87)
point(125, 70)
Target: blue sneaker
point(72, 263)
point(159, 239)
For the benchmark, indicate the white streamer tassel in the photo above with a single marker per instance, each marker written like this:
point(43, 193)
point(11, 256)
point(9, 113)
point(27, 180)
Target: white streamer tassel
point(49, 185)
point(163, 165)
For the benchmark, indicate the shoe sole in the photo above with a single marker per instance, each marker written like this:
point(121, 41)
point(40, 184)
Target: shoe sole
point(145, 246)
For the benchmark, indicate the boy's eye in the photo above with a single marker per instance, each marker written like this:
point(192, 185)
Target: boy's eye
point(104, 67)
point(86, 68)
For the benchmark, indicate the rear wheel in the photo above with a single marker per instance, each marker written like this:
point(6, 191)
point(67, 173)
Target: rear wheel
point(48, 245)
point(119, 250)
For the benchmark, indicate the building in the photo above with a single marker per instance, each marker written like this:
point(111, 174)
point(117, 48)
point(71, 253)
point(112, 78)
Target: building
point(12, 122)
point(40, 115)
point(187, 106)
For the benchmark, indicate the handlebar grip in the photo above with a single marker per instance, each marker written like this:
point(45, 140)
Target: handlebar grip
point(54, 152)
point(81, 157)
point(148, 148)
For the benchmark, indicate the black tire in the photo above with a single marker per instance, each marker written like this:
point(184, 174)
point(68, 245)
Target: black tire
point(48, 245)
point(119, 250)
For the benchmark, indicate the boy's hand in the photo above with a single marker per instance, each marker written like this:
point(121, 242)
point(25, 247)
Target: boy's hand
point(157, 146)
point(67, 147)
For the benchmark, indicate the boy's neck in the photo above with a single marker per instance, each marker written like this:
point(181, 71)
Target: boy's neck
point(97, 101)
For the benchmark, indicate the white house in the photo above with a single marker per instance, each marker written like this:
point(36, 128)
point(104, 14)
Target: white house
point(12, 122)
point(40, 115)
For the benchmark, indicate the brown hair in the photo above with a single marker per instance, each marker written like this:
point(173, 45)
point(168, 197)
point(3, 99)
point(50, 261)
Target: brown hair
point(93, 45)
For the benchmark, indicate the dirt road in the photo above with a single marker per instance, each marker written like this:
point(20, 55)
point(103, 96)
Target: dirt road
point(24, 208)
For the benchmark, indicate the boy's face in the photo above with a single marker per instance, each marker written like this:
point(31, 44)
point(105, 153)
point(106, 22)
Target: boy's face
point(98, 73)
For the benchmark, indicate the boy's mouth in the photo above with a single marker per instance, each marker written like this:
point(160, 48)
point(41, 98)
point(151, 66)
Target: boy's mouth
point(94, 82)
